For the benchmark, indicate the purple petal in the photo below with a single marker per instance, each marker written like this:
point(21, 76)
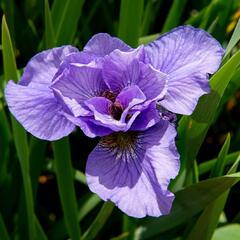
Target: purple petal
point(89, 128)
point(133, 170)
point(100, 107)
point(80, 83)
point(187, 55)
point(128, 98)
point(38, 111)
point(74, 58)
point(146, 119)
point(102, 44)
point(43, 66)
point(71, 106)
point(121, 69)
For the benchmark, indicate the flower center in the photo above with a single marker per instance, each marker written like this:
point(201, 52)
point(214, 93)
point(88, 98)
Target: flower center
point(116, 110)
point(109, 95)
point(120, 140)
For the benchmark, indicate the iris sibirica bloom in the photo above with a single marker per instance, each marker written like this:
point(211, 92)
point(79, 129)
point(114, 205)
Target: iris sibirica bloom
point(127, 96)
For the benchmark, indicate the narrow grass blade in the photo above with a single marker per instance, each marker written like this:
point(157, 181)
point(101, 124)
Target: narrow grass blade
point(3, 230)
point(130, 21)
point(79, 176)
point(148, 39)
point(99, 221)
point(234, 39)
point(65, 16)
point(5, 136)
point(220, 163)
point(85, 205)
point(20, 138)
point(206, 16)
point(64, 174)
point(129, 226)
point(189, 202)
point(149, 16)
point(208, 220)
point(174, 15)
point(197, 19)
point(49, 36)
point(36, 158)
point(39, 231)
point(208, 165)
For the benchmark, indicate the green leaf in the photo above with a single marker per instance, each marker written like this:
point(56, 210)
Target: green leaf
point(79, 176)
point(65, 16)
point(36, 158)
point(49, 31)
point(207, 14)
point(189, 202)
point(234, 39)
point(39, 231)
point(148, 39)
point(9, 64)
point(208, 165)
point(20, 138)
point(5, 136)
point(231, 232)
point(208, 220)
point(64, 174)
point(220, 163)
point(129, 226)
point(150, 12)
point(130, 21)
point(3, 230)
point(174, 15)
point(85, 205)
point(99, 221)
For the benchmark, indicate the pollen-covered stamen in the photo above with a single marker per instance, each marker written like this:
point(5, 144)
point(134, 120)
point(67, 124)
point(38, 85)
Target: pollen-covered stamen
point(116, 110)
point(120, 140)
point(109, 95)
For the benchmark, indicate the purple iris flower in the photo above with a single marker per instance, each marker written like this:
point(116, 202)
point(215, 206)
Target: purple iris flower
point(128, 97)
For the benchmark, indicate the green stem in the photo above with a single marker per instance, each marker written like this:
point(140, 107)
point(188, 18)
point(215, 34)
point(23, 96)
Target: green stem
point(65, 180)
point(99, 221)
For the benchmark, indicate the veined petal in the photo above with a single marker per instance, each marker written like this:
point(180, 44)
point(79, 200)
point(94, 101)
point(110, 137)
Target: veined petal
point(128, 98)
point(38, 111)
point(102, 44)
point(79, 58)
point(133, 170)
point(80, 83)
point(89, 128)
point(102, 117)
point(42, 67)
point(187, 55)
point(147, 118)
point(121, 69)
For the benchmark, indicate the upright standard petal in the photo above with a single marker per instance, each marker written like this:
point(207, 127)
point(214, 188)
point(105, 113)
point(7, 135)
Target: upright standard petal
point(133, 170)
point(187, 55)
point(42, 67)
point(38, 111)
point(80, 82)
point(102, 44)
point(124, 69)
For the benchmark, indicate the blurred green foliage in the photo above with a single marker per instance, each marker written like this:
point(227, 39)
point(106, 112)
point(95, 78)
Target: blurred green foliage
point(43, 192)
